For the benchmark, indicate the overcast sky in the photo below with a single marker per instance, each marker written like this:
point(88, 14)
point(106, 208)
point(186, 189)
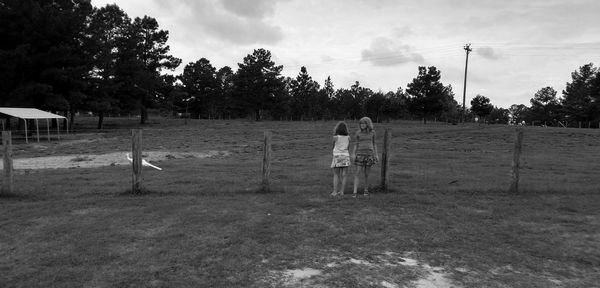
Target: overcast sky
point(519, 46)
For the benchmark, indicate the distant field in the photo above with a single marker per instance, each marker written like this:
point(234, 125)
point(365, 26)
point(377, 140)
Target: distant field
point(448, 220)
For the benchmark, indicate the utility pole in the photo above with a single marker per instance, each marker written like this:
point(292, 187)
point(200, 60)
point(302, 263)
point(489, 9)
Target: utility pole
point(467, 49)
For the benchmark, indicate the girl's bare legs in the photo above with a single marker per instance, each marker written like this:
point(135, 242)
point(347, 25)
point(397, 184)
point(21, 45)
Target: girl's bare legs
point(366, 171)
point(356, 175)
point(344, 173)
point(335, 180)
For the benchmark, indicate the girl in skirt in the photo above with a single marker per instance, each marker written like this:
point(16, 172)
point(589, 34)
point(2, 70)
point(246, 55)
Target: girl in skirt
point(341, 157)
point(365, 153)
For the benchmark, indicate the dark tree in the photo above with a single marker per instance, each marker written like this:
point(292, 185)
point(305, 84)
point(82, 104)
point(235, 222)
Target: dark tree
point(595, 94)
point(143, 54)
point(225, 78)
point(375, 106)
point(42, 63)
point(345, 104)
point(361, 95)
point(168, 94)
point(326, 99)
point(106, 27)
point(481, 106)
point(328, 87)
point(499, 115)
point(258, 84)
point(577, 97)
point(518, 113)
point(545, 107)
point(304, 92)
point(199, 80)
point(396, 105)
point(427, 95)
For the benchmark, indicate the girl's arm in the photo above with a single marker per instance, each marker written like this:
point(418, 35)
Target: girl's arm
point(375, 146)
point(355, 145)
point(333, 143)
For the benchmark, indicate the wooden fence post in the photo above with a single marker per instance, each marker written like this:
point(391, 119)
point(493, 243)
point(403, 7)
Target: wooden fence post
point(136, 155)
point(385, 160)
point(8, 162)
point(266, 163)
point(516, 164)
point(26, 139)
point(48, 129)
point(37, 129)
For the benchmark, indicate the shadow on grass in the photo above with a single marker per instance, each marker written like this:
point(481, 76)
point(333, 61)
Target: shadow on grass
point(202, 193)
point(264, 190)
point(143, 192)
point(19, 196)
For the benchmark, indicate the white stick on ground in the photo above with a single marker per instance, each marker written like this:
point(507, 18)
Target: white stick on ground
point(144, 162)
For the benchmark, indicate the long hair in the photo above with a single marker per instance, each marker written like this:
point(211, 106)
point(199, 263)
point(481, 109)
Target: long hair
point(367, 121)
point(341, 129)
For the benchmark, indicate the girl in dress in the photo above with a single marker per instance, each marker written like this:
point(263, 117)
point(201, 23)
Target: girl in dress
point(341, 157)
point(365, 153)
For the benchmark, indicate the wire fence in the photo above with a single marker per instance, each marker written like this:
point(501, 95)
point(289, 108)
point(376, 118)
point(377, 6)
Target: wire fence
point(228, 156)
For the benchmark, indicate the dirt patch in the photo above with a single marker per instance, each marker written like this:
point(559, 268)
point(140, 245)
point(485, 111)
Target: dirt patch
point(110, 159)
point(430, 277)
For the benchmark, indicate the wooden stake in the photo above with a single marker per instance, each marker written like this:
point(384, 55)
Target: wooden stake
point(266, 163)
point(8, 162)
point(48, 128)
point(385, 160)
point(136, 155)
point(37, 129)
point(26, 140)
point(516, 164)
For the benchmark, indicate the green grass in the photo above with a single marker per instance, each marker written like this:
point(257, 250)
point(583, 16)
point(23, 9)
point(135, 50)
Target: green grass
point(203, 224)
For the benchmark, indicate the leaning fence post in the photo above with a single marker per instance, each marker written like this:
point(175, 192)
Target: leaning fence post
point(266, 163)
point(385, 160)
point(136, 155)
point(8, 162)
point(516, 164)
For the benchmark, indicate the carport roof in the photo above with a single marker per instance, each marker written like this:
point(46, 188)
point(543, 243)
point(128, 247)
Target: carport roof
point(28, 113)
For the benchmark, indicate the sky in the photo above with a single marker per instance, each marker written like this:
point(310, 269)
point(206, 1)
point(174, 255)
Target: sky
point(518, 46)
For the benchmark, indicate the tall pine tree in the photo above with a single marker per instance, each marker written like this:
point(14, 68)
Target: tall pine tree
point(428, 96)
point(577, 96)
point(258, 84)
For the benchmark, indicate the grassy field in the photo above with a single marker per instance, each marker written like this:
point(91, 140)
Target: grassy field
point(448, 220)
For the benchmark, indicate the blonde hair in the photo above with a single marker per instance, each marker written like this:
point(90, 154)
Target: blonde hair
point(367, 121)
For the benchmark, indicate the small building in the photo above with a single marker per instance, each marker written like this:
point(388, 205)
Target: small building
point(33, 114)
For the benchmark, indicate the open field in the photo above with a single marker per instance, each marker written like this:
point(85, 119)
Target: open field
point(448, 221)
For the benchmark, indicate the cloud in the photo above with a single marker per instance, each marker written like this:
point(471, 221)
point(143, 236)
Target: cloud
point(231, 21)
point(487, 52)
point(256, 9)
point(384, 52)
point(327, 58)
point(402, 32)
point(244, 31)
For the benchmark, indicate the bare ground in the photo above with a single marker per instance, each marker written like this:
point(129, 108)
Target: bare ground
point(109, 159)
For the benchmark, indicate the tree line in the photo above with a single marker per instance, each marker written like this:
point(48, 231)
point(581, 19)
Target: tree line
point(65, 55)
point(68, 56)
point(579, 105)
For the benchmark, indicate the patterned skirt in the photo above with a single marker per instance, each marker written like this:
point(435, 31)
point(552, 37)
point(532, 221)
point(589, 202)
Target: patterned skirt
point(340, 161)
point(365, 160)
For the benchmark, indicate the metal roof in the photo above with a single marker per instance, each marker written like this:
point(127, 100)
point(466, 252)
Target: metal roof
point(29, 113)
